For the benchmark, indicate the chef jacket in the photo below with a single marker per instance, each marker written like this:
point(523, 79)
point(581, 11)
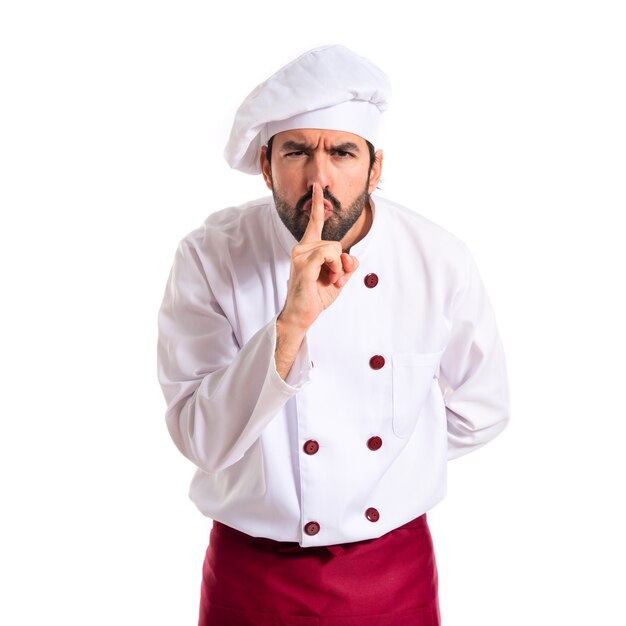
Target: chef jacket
point(402, 372)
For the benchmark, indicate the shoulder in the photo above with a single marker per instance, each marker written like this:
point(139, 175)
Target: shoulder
point(229, 237)
point(407, 227)
point(233, 232)
point(231, 224)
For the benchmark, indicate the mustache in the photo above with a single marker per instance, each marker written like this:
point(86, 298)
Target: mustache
point(309, 196)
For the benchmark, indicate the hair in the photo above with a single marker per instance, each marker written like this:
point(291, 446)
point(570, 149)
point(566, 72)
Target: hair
point(370, 147)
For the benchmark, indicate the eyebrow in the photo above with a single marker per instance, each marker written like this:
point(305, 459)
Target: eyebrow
point(347, 146)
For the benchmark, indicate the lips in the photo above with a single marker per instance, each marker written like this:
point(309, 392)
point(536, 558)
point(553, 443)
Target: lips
point(328, 208)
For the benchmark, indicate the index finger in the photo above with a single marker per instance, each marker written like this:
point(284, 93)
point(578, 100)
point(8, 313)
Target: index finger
point(315, 226)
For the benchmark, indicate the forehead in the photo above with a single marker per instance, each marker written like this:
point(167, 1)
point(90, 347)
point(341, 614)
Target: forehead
point(315, 136)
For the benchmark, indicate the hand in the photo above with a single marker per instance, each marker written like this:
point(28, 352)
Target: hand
point(319, 271)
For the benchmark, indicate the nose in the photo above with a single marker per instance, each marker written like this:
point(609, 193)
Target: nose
point(318, 170)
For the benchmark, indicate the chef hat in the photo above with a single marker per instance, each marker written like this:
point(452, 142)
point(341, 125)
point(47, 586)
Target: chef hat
point(330, 88)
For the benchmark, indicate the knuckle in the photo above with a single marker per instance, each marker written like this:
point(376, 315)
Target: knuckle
point(334, 248)
point(319, 255)
point(296, 251)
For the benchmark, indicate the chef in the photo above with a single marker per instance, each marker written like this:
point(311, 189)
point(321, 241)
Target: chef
point(323, 352)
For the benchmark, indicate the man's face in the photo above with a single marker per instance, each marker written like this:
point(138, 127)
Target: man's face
point(338, 161)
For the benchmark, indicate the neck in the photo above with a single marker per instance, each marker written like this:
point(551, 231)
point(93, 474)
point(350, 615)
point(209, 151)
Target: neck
point(359, 229)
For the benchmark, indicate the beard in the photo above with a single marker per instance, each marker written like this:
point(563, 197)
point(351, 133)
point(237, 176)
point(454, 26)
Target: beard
point(338, 223)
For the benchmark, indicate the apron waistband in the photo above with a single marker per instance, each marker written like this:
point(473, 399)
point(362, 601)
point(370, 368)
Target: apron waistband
point(271, 545)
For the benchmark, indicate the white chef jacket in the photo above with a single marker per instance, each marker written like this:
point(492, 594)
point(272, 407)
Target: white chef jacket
point(441, 391)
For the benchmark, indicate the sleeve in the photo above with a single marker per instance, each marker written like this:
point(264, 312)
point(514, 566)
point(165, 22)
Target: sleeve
point(473, 373)
point(220, 396)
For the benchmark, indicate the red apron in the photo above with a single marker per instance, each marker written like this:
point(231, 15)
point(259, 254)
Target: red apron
point(390, 581)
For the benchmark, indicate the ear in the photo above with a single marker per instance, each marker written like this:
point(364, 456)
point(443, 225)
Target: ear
point(266, 169)
point(376, 171)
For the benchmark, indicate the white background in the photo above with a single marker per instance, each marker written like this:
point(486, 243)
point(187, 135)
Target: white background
point(507, 128)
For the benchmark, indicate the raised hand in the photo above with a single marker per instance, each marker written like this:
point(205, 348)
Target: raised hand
point(319, 271)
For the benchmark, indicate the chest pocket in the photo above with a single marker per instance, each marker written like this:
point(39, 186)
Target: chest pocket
point(413, 379)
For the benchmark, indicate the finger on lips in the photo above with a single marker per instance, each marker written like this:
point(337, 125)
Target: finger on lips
point(315, 226)
point(340, 265)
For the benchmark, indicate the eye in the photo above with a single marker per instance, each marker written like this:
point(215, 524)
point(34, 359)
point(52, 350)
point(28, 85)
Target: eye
point(343, 154)
point(294, 154)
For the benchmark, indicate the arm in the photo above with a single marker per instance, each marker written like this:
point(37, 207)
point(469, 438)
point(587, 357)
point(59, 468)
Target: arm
point(220, 396)
point(473, 370)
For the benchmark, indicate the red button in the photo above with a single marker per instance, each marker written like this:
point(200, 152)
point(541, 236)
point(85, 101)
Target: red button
point(374, 443)
point(312, 528)
point(372, 514)
point(311, 446)
point(371, 280)
point(377, 362)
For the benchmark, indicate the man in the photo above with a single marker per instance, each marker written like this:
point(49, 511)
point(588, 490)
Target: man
point(323, 353)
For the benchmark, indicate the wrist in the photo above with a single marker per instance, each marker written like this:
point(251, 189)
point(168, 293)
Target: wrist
point(289, 324)
point(289, 338)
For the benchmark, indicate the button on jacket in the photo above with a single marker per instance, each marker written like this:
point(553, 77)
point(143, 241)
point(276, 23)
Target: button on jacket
point(409, 372)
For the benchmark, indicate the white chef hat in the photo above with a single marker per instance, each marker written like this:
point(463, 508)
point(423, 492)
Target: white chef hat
point(330, 88)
